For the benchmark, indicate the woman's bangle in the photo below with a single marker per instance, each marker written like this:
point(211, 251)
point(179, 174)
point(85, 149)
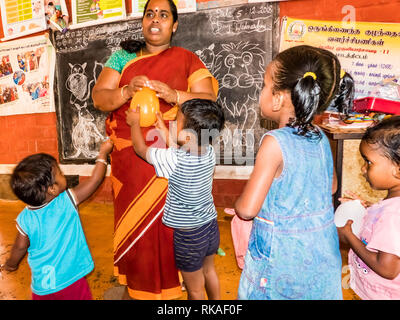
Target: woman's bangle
point(122, 91)
point(177, 96)
point(102, 161)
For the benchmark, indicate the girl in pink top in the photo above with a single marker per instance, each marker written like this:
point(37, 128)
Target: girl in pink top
point(374, 258)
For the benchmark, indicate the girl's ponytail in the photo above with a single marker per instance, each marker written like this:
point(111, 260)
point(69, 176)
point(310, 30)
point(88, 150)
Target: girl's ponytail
point(343, 101)
point(306, 97)
point(311, 75)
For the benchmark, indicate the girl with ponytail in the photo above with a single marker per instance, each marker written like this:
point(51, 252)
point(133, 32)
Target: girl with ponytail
point(293, 250)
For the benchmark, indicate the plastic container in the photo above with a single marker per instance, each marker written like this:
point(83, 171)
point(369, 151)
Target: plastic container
point(350, 210)
point(374, 104)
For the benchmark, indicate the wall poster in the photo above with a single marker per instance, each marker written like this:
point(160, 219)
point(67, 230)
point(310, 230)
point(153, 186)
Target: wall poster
point(369, 51)
point(26, 76)
point(22, 17)
point(92, 12)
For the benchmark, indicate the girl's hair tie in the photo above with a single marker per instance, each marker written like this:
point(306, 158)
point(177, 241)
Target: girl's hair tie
point(342, 73)
point(312, 74)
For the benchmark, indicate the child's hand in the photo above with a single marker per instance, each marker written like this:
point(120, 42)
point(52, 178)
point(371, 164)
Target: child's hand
point(106, 147)
point(349, 196)
point(133, 116)
point(160, 124)
point(345, 231)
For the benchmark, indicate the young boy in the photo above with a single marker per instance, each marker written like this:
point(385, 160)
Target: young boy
point(50, 228)
point(189, 208)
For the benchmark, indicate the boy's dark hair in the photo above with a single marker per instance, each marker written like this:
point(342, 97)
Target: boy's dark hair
point(32, 177)
point(309, 96)
point(205, 117)
point(386, 135)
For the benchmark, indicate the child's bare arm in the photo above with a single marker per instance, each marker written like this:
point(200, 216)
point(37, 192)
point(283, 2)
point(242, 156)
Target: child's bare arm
point(87, 187)
point(18, 251)
point(133, 119)
point(269, 158)
point(384, 264)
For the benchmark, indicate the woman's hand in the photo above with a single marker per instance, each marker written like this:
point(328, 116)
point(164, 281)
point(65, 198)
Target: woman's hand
point(136, 84)
point(163, 91)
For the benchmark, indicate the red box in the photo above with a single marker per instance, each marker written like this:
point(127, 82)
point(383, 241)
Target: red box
point(376, 105)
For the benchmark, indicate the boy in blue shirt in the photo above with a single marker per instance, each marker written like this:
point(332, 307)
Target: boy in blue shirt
point(50, 229)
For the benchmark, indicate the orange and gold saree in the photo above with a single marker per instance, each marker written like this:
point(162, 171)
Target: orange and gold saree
point(143, 246)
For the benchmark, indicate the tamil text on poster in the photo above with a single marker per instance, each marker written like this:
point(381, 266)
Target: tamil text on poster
point(368, 51)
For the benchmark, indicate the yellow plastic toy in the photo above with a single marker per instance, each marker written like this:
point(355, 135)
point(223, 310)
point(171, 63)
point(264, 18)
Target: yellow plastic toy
point(149, 105)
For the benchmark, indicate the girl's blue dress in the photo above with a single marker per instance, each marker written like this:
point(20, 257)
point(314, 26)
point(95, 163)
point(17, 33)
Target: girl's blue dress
point(293, 248)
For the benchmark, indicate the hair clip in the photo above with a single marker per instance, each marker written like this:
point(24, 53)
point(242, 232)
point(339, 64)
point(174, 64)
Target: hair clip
point(342, 73)
point(312, 74)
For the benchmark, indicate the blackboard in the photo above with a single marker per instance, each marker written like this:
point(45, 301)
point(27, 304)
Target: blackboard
point(235, 43)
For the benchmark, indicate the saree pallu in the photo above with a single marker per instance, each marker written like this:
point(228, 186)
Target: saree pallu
point(143, 246)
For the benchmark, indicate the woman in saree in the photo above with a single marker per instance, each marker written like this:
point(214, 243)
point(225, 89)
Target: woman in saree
point(143, 246)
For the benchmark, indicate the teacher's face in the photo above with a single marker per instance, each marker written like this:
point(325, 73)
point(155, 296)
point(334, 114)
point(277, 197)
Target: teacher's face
point(158, 23)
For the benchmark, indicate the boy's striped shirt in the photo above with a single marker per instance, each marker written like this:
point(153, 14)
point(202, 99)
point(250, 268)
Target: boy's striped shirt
point(189, 200)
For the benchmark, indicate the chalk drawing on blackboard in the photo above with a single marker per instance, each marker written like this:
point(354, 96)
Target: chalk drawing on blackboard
point(85, 134)
point(243, 69)
point(238, 67)
point(212, 34)
point(77, 83)
point(208, 57)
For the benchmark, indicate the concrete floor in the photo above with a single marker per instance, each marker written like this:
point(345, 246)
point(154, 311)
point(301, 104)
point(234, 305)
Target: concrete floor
point(97, 221)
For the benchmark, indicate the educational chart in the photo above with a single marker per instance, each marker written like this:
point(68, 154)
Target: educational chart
point(26, 76)
point(235, 43)
point(22, 17)
point(368, 51)
point(92, 12)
